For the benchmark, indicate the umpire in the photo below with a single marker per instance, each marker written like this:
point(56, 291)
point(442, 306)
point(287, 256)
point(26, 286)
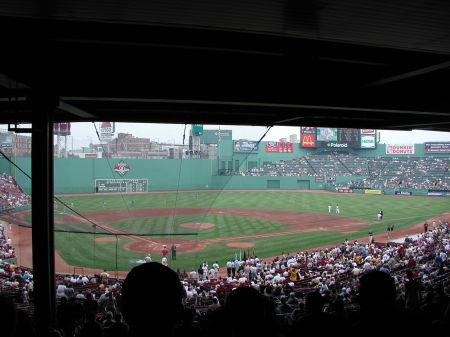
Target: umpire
point(174, 251)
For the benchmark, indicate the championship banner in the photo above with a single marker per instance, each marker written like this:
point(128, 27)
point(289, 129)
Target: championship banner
point(245, 146)
point(400, 149)
point(373, 192)
point(280, 147)
point(345, 190)
point(437, 147)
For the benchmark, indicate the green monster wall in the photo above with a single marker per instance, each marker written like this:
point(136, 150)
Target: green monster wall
point(75, 175)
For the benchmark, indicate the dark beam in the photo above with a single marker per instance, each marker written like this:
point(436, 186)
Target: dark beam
point(409, 74)
point(42, 214)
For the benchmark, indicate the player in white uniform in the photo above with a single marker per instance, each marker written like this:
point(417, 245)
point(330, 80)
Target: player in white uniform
point(338, 211)
point(329, 208)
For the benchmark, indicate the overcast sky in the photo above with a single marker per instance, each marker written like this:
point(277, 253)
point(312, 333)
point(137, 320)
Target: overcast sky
point(84, 133)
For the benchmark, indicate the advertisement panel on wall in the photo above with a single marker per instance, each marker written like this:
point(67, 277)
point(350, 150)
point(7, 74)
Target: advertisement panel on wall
point(280, 147)
point(308, 140)
point(335, 138)
point(373, 192)
point(434, 147)
point(245, 146)
point(402, 193)
point(368, 142)
point(368, 131)
point(345, 190)
point(438, 193)
point(399, 149)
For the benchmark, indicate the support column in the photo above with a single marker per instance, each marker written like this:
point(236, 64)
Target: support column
point(42, 213)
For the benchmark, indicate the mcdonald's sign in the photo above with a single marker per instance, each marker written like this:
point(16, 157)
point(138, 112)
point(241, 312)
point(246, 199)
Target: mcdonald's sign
point(308, 140)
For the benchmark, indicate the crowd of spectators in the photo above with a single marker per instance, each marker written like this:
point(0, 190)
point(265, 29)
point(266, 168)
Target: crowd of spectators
point(11, 194)
point(289, 289)
point(379, 172)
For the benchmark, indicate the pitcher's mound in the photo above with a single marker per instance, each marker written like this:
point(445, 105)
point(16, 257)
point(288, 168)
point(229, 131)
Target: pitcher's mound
point(200, 225)
point(240, 244)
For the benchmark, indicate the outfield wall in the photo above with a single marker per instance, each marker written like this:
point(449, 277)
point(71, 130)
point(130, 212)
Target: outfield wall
point(75, 175)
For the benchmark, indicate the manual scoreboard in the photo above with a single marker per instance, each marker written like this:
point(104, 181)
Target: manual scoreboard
point(121, 185)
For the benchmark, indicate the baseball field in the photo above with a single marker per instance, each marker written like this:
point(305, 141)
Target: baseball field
point(217, 225)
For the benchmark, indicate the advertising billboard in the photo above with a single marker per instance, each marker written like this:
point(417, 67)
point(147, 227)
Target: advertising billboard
point(215, 136)
point(61, 129)
point(403, 193)
point(337, 138)
point(245, 146)
point(373, 191)
point(106, 131)
point(437, 147)
point(368, 141)
point(308, 140)
point(399, 149)
point(280, 147)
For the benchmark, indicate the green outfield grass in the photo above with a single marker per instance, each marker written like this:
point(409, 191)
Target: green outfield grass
point(226, 225)
point(81, 250)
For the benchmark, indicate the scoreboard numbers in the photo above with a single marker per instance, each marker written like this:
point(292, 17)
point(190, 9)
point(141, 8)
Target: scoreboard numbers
point(121, 185)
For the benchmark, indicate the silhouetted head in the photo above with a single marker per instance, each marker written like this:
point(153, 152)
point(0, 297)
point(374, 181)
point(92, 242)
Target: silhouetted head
point(314, 302)
point(377, 292)
point(151, 298)
point(244, 302)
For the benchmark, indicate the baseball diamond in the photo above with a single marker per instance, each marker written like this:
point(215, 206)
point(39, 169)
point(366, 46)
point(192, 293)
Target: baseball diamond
point(113, 212)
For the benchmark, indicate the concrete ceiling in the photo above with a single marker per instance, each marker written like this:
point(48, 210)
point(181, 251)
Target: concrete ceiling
point(368, 64)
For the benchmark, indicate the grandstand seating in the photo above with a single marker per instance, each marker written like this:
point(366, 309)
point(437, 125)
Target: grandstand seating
point(379, 172)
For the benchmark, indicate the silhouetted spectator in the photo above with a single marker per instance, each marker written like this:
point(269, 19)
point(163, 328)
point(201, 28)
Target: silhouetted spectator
point(8, 317)
point(119, 328)
point(152, 299)
point(316, 322)
point(378, 314)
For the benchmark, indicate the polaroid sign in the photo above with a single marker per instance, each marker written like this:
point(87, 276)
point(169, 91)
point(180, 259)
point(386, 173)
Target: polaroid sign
point(399, 149)
point(368, 131)
point(337, 145)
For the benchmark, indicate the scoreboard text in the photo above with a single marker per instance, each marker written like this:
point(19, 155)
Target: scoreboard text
point(121, 185)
